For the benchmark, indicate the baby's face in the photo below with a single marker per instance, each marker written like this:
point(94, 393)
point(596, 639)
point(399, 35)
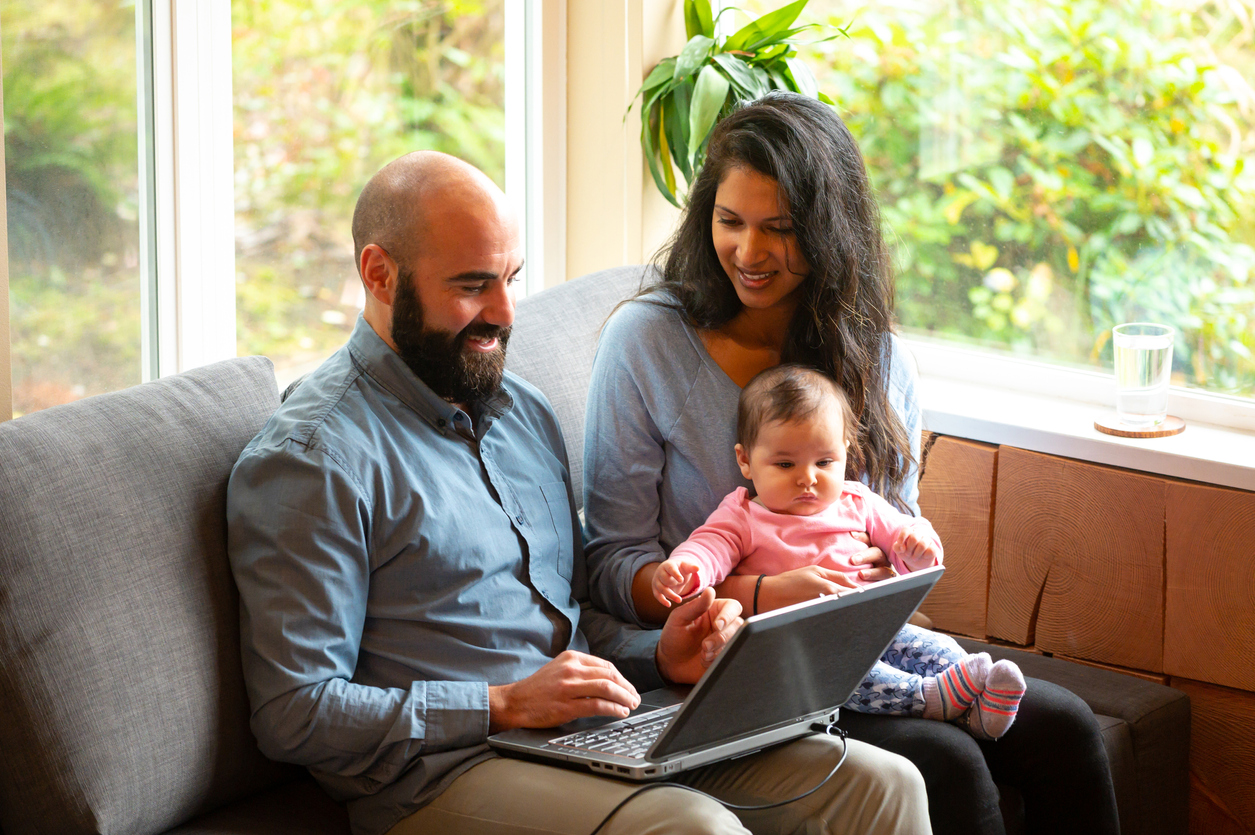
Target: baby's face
point(797, 467)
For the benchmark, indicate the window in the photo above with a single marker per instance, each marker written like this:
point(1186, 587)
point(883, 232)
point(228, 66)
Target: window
point(1050, 168)
point(133, 251)
point(72, 182)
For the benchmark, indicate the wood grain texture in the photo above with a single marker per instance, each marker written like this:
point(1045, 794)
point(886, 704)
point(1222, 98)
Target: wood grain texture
point(1209, 615)
point(1142, 674)
point(1077, 565)
point(1208, 816)
point(956, 495)
point(1222, 750)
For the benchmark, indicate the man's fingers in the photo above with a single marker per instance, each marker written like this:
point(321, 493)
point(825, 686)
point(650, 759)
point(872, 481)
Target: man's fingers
point(694, 608)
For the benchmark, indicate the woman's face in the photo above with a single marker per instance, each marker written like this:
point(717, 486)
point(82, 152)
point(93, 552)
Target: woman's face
point(753, 236)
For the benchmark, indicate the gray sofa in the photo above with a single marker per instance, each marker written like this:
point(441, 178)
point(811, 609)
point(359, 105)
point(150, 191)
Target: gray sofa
point(123, 708)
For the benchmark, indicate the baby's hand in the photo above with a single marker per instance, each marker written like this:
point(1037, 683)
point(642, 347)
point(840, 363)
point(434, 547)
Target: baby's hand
point(915, 550)
point(675, 579)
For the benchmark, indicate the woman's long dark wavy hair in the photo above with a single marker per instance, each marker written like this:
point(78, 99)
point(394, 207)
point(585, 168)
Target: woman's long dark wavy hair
point(843, 322)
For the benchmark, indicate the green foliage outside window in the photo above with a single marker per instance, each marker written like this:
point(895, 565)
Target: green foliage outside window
point(326, 92)
point(1049, 168)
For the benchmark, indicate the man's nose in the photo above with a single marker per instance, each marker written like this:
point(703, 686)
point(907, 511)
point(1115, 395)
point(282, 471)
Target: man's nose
point(499, 305)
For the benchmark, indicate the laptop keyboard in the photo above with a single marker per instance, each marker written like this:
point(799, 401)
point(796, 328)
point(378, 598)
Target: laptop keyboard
point(627, 738)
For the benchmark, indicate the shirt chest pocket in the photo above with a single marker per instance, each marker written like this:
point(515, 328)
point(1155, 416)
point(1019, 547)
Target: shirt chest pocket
point(551, 535)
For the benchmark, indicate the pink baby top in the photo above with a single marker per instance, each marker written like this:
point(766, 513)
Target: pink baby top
point(743, 537)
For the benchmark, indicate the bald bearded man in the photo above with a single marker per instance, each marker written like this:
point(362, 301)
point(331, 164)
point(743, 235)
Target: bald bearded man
point(412, 579)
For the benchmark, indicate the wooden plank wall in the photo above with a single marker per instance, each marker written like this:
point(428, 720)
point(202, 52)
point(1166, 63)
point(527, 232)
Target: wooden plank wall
point(1150, 576)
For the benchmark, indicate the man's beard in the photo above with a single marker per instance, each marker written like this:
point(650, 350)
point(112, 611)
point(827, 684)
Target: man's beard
point(439, 358)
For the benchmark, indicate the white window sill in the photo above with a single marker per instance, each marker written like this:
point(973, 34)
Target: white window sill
point(1044, 420)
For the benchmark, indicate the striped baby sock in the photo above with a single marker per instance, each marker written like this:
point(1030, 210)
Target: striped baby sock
point(956, 688)
point(997, 704)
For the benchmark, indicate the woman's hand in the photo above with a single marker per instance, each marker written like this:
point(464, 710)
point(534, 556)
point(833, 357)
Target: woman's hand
point(874, 561)
point(805, 583)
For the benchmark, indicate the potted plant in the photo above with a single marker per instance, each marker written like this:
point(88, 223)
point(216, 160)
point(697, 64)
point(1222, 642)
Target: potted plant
point(685, 95)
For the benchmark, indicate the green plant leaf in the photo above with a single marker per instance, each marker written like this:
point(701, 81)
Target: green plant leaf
point(662, 72)
point(655, 165)
point(742, 76)
point(709, 95)
point(803, 79)
point(677, 106)
point(698, 19)
point(692, 56)
point(768, 27)
point(664, 152)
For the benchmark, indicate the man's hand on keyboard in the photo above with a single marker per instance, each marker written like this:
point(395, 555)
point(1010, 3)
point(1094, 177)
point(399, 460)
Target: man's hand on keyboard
point(571, 686)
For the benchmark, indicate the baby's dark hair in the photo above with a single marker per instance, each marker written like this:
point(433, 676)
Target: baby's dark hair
point(791, 392)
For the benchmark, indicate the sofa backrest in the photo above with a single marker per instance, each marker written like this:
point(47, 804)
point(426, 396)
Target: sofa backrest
point(553, 342)
point(123, 701)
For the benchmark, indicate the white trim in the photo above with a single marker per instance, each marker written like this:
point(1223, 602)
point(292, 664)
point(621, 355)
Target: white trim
point(535, 97)
point(950, 361)
point(194, 211)
point(1034, 406)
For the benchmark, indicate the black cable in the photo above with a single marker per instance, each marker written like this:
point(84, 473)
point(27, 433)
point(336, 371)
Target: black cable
point(830, 729)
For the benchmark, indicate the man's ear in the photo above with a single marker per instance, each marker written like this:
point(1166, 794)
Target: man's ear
point(743, 461)
point(379, 273)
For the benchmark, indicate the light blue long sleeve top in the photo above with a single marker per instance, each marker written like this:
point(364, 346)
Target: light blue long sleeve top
point(393, 561)
point(659, 434)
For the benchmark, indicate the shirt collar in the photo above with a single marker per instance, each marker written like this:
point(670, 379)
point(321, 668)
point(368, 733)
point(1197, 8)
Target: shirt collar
point(387, 369)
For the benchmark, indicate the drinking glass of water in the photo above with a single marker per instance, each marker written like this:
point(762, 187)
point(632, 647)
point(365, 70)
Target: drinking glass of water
point(1143, 360)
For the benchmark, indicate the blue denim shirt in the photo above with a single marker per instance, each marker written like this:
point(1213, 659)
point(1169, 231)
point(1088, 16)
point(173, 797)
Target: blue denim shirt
point(393, 561)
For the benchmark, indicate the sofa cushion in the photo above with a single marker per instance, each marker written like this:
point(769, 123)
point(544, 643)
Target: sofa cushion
point(553, 342)
point(124, 705)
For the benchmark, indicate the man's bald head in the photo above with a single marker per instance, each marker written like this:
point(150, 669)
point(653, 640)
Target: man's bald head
point(390, 210)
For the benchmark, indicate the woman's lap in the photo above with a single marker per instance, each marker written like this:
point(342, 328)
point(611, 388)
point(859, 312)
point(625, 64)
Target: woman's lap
point(1053, 755)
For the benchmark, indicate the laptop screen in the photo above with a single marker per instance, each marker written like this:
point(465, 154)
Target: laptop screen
point(799, 661)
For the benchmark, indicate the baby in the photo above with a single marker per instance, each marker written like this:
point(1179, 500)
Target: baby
point(795, 428)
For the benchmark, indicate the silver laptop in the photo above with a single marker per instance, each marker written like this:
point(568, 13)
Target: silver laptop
point(781, 676)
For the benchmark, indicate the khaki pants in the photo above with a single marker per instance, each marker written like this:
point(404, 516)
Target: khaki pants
point(873, 793)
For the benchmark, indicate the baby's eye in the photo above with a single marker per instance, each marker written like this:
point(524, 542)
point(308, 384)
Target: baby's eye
point(784, 465)
point(824, 462)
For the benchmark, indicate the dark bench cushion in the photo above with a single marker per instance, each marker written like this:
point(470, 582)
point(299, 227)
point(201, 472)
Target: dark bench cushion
point(124, 705)
point(1146, 730)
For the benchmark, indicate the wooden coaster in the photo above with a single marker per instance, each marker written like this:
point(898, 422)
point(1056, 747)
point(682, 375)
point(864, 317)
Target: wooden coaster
point(1109, 424)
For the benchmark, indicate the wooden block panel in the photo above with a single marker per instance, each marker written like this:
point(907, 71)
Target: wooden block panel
point(1157, 678)
point(1207, 814)
point(1077, 560)
point(956, 495)
point(1222, 752)
point(1209, 614)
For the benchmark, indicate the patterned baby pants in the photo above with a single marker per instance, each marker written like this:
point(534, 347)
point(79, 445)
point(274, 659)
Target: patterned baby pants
point(895, 684)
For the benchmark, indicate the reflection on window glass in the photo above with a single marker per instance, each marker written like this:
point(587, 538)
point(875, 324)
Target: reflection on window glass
point(71, 174)
point(326, 92)
point(1050, 168)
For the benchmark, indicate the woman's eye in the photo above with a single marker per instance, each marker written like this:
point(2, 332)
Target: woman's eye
point(727, 221)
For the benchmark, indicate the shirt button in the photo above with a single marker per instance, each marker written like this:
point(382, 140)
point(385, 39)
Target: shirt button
point(519, 518)
point(441, 423)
